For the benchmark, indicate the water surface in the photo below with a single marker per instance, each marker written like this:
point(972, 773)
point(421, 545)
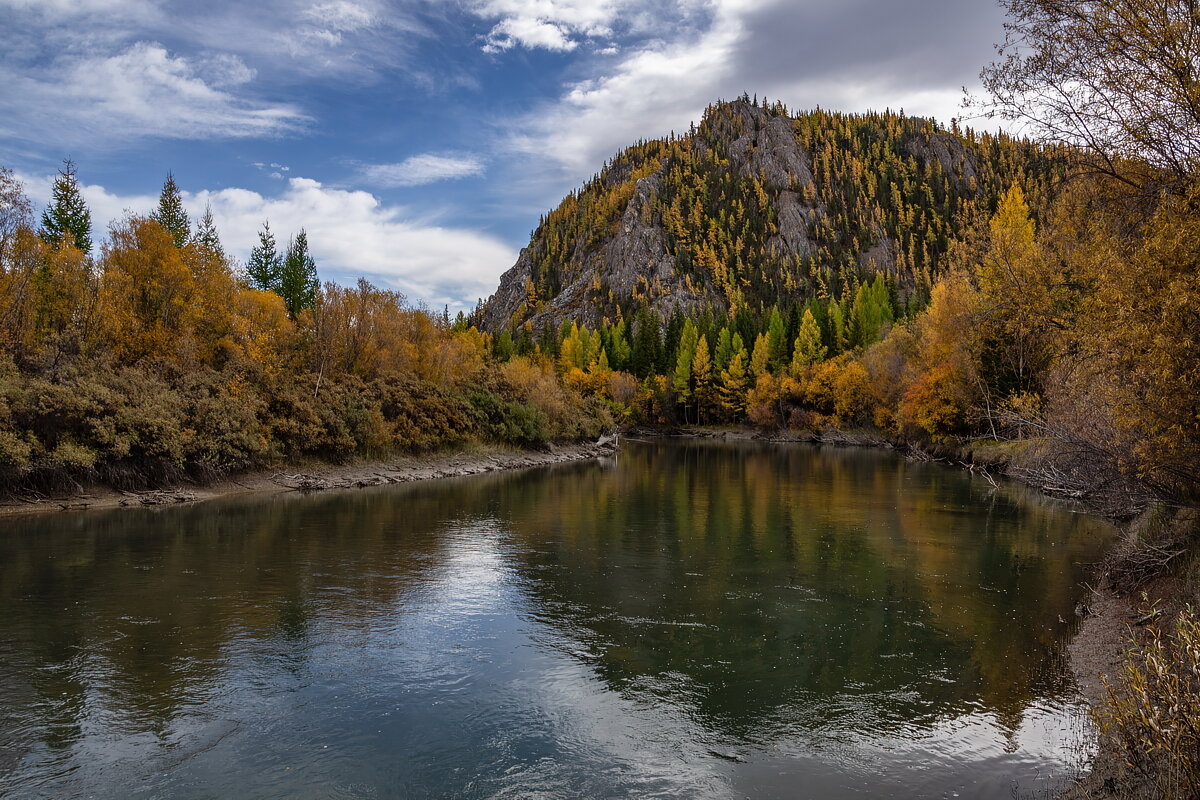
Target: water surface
point(690, 620)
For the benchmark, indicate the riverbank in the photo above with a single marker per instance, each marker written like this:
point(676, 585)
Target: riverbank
point(316, 476)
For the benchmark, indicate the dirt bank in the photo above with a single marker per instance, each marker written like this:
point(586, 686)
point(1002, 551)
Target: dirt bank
point(316, 477)
point(1095, 654)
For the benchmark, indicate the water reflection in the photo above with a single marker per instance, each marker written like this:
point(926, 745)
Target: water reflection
point(688, 619)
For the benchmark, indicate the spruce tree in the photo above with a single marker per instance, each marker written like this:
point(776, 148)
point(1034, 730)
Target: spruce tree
point(548, 341)
point(298, 278)
point(777, 343)
point(647, 344)
point(524, 341)
point(808, 346)
point(207, 236)
point(685, 352)
point(724, 349)
point(760, 356)
point(265, 264)
point(67, 219)
point(170, 213)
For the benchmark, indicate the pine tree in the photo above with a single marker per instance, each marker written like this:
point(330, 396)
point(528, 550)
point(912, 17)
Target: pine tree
point(298, 278)
point(724, 349)
point(686, 353)
point(547, 340)
point(67, 219)
point(702, 377)
point(524, 340)
point(760, 358)
point(207, 236)
point(265, 265)
point(647, 345)
point(808, 347)
point(170, 213)
point(776, 340)
point(732, 389)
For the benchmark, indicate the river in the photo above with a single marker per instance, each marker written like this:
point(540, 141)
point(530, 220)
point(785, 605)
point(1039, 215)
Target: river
point(685, 620)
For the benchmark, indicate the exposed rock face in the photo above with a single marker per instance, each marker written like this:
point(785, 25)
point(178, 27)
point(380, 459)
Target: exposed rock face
point(769, 149)
point(636, 255)
point(637, 259)
point(949, 152)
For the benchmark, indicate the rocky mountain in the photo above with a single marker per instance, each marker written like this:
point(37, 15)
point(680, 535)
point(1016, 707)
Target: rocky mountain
point(757, 207)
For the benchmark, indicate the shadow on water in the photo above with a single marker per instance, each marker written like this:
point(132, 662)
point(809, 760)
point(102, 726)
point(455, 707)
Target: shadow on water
point(686, 619)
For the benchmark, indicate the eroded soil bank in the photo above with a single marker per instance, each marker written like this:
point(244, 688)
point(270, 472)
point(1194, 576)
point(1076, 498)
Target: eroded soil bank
point(401, 469)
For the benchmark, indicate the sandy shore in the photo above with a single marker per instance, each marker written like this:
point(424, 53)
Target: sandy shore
point(404, 469)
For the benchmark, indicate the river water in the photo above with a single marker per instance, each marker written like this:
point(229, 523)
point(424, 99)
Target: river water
point(684, 620)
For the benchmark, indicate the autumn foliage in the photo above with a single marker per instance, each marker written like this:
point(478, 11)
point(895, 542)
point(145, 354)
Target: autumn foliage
point(157, 360)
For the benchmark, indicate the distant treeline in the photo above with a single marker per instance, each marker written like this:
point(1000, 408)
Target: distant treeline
point(159, 359)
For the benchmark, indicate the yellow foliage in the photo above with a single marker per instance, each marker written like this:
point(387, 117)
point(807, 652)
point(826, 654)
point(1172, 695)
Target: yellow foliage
point(763, 402)
point(260, 331)
point(819, 392)
point(936, 402)
point(47, 299)
point(148, 293)
point(853, 397)
point(1153, 716)
point(1138, 332)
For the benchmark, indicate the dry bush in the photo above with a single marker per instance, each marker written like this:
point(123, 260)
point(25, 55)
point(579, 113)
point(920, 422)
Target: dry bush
point(763, 403)
point(1153, 716)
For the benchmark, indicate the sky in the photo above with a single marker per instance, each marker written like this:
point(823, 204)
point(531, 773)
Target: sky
point(418, 141)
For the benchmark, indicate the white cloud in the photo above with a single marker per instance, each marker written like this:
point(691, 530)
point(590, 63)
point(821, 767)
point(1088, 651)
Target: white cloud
point(341, 15)
point(326, 24)
point(222, 44)
point(561, 25)
point(351, 235)
point(648, 92)
point(66, 9)
point(553, 24)
point(785, 49)
point(530, 33)
point(141, 91)
point(423, 169)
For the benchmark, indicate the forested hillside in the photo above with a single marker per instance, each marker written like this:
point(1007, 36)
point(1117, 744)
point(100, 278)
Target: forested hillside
point(756, 208)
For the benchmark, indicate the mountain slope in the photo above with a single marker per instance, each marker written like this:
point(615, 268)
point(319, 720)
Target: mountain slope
point(755, 208)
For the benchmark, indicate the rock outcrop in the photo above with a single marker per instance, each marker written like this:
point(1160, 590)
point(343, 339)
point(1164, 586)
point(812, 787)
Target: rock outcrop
point(637, 257)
